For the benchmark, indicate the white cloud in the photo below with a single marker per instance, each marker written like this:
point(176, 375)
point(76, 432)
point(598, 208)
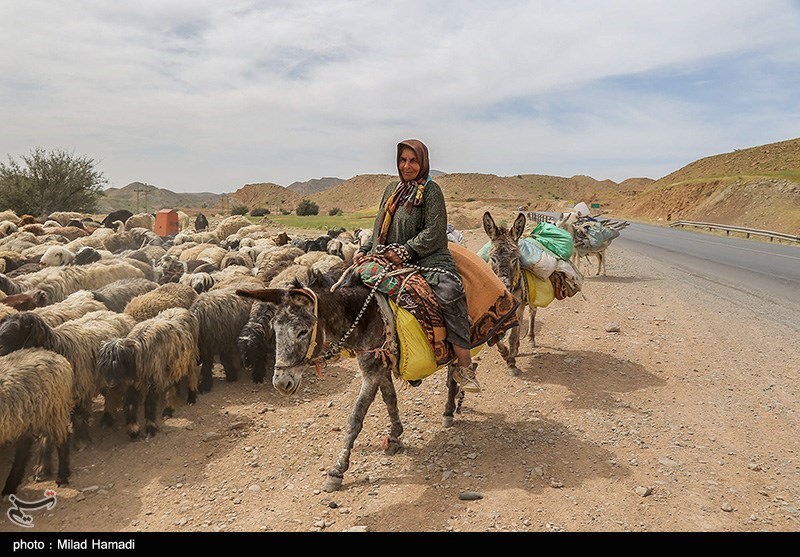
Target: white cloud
point(207, 96)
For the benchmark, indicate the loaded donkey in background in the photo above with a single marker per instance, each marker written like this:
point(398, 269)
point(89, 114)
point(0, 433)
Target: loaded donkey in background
point(534, 274)
point(504, 258)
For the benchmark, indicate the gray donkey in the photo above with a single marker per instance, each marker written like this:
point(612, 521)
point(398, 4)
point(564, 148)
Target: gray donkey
point(504, 257)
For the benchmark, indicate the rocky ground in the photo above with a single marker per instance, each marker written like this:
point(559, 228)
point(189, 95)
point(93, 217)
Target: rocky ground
point(651, 403)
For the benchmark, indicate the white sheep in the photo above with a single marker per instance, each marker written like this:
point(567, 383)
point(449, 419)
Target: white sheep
point(183, 220)
point(269, 259)
point(116, 295)
point(9, 215)
point(19, 241)
point(150, 361)
point(35, 401)
point(57, 256)
point(169, 295)
point(63, 217)
point(235, 274)
point(27, 281)
point(206, 252)
point(140, 220)
point(73, 306)
point(7, 228)
point(55, 287)
point(287, 277)
point(230, 225)
point(200, 282)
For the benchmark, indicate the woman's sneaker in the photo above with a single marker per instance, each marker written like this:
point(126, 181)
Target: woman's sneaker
point(467, 378)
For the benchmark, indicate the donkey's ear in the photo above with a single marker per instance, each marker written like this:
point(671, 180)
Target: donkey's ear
point(301, 296)
point(519, 226)
point(488, 225)
point(273, 295)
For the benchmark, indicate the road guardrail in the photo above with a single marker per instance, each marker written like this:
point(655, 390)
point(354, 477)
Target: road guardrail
point(740, 229)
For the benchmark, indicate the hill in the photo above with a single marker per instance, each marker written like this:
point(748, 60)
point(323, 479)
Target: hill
point(314, 186)
point(139, 197)
point(268, 196)
point(757, 187)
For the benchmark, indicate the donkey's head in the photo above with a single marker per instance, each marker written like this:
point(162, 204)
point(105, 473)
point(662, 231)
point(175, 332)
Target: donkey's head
point(294, 324)
point(504, 251)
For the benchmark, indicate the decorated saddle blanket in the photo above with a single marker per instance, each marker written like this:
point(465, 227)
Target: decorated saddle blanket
point(492, 309)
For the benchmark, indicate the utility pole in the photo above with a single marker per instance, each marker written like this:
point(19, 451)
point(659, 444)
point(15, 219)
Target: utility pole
point(146, 192)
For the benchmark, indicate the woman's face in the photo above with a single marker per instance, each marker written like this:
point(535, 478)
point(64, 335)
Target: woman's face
point(409, 165)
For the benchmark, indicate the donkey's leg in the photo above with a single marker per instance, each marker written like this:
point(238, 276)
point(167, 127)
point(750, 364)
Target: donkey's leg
point(503, 349)
point(513, 345)
point(531, 323)
point(453, 391)
point(371, 377)
point(392, 443)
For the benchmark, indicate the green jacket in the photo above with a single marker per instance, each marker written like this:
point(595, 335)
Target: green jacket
point(423, 231)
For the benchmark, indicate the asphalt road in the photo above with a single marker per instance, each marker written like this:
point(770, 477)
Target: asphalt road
point(764, 274)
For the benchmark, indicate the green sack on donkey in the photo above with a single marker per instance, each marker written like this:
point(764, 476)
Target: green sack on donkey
point(556, 239)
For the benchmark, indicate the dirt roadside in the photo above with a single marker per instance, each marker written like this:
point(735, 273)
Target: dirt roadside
point(685, 420)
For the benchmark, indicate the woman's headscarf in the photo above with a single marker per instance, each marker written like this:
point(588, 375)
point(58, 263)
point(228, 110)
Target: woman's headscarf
point(410, 193)
point(421, 151)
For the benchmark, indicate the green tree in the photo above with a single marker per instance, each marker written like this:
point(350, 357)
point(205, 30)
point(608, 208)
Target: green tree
point(307, 207)
point(335, 211)
point(48, 181)
point(239, 210)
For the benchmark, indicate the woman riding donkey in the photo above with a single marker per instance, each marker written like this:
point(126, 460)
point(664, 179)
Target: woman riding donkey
point(411, 228)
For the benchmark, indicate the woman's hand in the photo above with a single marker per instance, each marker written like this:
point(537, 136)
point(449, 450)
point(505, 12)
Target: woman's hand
point(393, 257)
point(358, 257)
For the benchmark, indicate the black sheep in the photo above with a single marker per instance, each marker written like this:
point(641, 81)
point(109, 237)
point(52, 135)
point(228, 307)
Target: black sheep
point(121, 215)
point(201, 222)
point(257, 342)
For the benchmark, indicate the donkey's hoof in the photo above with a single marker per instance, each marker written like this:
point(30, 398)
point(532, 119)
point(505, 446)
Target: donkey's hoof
point(332, 483)
point(447, 421)
point(513, 371)
point(391, 445)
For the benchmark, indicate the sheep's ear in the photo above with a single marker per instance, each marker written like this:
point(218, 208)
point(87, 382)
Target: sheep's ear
point(274, 295)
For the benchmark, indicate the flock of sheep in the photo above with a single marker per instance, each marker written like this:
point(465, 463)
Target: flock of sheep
point(111, 309)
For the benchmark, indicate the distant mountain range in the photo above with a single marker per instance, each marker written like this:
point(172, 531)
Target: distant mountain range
point(757, 187)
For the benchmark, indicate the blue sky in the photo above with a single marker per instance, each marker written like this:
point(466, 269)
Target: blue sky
point(205, 95)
